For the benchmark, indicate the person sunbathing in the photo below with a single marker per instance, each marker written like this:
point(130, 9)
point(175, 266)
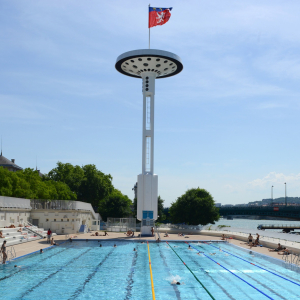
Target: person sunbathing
point(95, 234)
point(279, 248)
point(1, 235)
point(129, 233)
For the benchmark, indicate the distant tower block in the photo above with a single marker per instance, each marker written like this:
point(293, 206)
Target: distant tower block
point(148, 64)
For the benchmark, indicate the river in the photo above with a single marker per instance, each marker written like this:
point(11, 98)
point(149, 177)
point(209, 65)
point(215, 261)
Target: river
point(250, 224)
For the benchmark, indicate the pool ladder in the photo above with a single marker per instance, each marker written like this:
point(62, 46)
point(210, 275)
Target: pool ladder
point(11, 254)
point(291, 258)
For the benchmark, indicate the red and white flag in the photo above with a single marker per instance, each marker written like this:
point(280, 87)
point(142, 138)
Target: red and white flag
point(159, 16)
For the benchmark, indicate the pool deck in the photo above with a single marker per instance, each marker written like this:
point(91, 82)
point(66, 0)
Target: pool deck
point(29, 247)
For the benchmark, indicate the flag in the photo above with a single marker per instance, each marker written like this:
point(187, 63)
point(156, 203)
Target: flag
point(159, 16)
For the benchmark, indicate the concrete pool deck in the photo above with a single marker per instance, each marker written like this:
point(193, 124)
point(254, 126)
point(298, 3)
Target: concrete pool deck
point(29, 247)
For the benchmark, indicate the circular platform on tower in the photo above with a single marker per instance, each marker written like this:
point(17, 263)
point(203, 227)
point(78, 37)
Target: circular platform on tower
point(134, 63)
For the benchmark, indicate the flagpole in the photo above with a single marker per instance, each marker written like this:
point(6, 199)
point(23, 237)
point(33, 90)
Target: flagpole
point(149, 24)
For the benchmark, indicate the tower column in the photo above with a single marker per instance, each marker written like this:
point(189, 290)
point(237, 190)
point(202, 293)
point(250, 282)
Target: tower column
point(148, 64)
point(148, 123)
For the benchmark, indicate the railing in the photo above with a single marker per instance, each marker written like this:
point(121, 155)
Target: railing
point(63, 205)
point(157, 232)
point(291, 258)
point(10, 202)
point(121, 224)
point(10, 254)
point(35, 232)
point(180, 226)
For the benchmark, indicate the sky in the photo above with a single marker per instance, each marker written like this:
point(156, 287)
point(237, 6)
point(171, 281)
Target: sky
point(228, 123)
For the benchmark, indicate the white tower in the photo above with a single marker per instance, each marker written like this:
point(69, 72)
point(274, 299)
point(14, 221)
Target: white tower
point(148, 64)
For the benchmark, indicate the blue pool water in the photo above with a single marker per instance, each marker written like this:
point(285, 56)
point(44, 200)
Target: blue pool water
point(83, 270)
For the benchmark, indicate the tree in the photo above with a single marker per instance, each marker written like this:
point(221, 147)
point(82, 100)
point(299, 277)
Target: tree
point(194, 207)
point(28, 184)
point(89, 184)
point(95, 185)
point(116, 205)
point(160, 210)
point(69, 174)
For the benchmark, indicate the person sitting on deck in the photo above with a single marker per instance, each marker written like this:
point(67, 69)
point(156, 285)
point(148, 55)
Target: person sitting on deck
point(279, 248)
point(53, 243)
point(132, 234)
point(129, 233)
point(105, 233)
point(285, 251)
point(1, 235)
point(166, 235)
point(20, 230)
point(223, 237)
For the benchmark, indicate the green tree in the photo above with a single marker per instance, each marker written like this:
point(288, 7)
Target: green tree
point(28, 184)
point(160, 210)
point(95, 186)
point(116, 205)
point(69, 174)
point(194, 207)
point(89, 184)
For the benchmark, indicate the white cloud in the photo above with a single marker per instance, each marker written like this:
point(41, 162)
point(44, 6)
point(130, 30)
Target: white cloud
point(274, 178)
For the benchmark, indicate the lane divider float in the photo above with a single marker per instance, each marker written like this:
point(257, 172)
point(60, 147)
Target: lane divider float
point(231, 272)
point(257, 265)
point(211, 296)
point(151, 276)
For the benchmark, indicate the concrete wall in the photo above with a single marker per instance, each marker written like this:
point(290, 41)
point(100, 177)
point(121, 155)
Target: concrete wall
point(64, 221)
point(13, 216)
point(17, 211)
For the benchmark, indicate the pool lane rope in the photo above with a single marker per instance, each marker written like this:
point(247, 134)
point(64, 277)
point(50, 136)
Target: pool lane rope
point(211, 296)
point(256, 265)
point(231, 272)
point(151, 276)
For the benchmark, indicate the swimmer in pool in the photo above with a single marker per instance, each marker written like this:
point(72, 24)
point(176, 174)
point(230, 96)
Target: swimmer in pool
point(115, 245)
point(176, 282)
point(15, 266)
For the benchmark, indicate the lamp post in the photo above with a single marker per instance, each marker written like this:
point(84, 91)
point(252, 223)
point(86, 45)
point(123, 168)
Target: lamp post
point(272, 195)
point(285, 194)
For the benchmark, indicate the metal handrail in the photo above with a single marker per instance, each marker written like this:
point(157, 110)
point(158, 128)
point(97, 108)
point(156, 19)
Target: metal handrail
point(40, 235)
point(157, 232)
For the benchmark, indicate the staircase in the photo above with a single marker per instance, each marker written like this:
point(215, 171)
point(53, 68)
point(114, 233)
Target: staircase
point(13, 236)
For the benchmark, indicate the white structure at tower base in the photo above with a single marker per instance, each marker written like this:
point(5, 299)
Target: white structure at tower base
point(148, 64)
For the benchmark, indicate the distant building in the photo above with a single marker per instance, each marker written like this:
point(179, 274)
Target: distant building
point(218, 204)
point(9, 164)
point(227, 205)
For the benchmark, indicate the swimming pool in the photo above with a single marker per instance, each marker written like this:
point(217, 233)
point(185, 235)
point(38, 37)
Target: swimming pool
point(83, 270)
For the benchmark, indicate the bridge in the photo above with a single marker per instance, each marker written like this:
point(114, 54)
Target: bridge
point(291, 212)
